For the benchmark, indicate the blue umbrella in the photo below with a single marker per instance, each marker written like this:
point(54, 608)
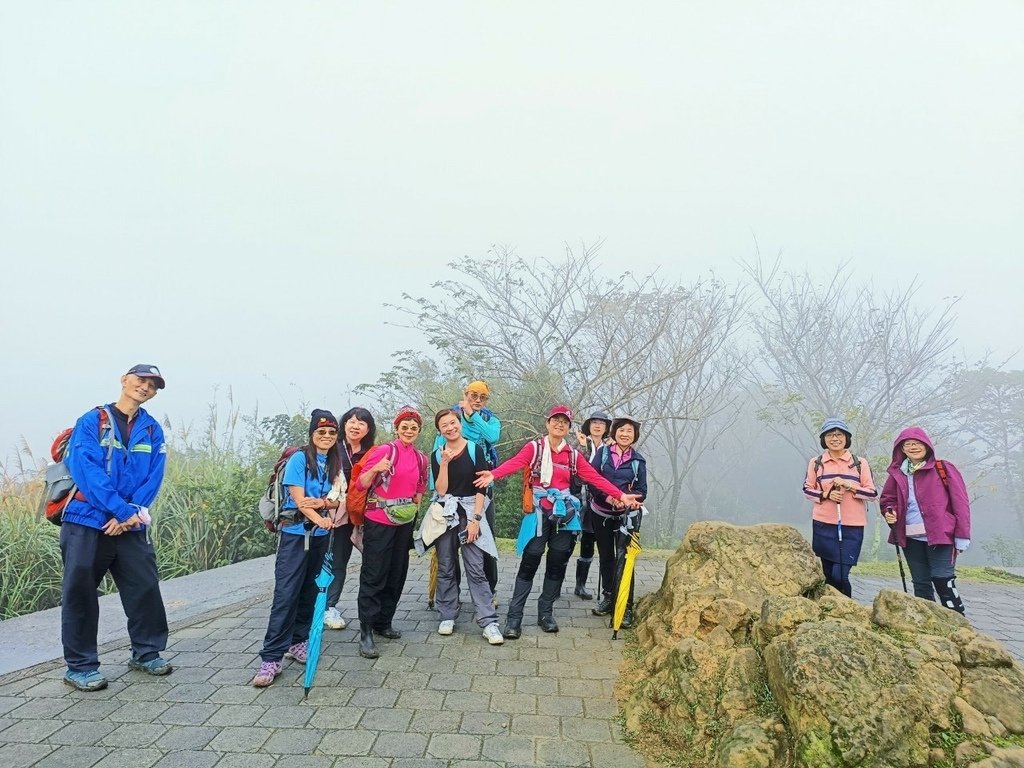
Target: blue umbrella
point(316, 629)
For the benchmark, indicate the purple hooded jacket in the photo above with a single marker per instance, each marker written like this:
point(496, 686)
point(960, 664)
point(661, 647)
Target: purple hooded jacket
point(947, 513)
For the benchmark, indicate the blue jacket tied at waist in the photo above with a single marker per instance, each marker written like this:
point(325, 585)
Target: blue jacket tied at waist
point(564, 505)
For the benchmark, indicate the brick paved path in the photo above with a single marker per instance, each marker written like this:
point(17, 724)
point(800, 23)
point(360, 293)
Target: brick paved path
point(427, 701)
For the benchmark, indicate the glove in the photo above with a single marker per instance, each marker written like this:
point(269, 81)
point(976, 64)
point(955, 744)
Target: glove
point(962, 544)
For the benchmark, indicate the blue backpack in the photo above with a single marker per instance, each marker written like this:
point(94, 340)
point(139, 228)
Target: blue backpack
point(470, 446)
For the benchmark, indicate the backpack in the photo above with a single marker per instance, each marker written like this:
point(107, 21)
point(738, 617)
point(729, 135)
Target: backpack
point(819, 467)
point(533, 470)
point(59, 487)
point(634, 464)
point(356, 500)
point(274, 496)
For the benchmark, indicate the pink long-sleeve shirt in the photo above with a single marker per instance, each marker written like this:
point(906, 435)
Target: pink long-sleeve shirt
point(819, 482)
point(561, 473)
point(406, 482)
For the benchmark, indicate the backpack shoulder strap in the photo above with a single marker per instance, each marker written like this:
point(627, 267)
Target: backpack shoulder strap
point(538, 446)
point(636, 469)
point(855, 464)
point(940, 467)
point(819, 468)
point(107, 422)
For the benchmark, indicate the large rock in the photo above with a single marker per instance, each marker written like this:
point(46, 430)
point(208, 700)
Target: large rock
point(749, 661)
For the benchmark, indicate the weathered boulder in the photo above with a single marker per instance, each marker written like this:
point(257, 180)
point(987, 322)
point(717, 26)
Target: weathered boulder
point(749, 661)
point(1002, 757)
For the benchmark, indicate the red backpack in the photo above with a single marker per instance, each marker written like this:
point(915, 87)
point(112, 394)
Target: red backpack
point(533, 470)
point(59, 487)
point(355, 501)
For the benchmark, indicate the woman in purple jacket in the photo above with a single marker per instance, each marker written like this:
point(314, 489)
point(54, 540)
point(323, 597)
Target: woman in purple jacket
point(925, 503)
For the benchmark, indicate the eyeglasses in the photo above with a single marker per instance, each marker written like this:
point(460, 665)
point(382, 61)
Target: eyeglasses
point(835, 433)
point(326, 433)
point(476, 396)
point(913, 444)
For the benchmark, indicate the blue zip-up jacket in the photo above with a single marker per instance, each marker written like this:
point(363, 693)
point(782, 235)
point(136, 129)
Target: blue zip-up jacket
point(621, 478)
point(136, 470)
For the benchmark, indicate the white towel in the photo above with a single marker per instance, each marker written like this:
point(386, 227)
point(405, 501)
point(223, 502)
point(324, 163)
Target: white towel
point(547, 467)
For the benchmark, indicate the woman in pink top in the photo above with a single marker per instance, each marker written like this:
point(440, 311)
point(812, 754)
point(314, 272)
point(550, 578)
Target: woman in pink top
point(555, 521)
point(396, 478)
point(839, 485)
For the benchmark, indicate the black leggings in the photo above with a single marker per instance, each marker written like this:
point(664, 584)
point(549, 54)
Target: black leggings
point(838, 576)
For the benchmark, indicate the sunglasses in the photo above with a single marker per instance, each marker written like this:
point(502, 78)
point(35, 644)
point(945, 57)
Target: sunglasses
point(326, 433)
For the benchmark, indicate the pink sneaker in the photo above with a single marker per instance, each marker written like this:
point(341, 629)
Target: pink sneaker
point(297, 652)
point(268, 671)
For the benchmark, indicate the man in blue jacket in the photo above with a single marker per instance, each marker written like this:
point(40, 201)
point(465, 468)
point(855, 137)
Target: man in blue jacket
point(116, 457)
point(480, 425)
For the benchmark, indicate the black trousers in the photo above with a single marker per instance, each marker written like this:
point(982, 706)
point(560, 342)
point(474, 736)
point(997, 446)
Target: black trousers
point(490, 563)
point(605, 537)
point(342, 550)
point(291, 613)
point(382, 575)
point(559, 544)
point(88, 554)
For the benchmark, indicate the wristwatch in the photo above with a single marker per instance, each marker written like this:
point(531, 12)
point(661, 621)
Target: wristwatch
point(475, 518)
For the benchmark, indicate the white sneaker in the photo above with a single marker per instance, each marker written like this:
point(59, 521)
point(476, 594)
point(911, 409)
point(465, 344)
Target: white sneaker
point(446, 627)
point(334, 620)
point(493, 635)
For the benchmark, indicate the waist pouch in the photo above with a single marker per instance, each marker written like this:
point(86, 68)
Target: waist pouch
point(398, 511)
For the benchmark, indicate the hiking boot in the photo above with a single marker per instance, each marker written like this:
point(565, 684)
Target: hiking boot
point(334, 620)
point(514, 620)
point(548, 623)
point(446, 627)
point(367, 648)
point(604, 605)
point(85, 681)
point(627, 618)
point(155, 666)
point(493, 635)
point(582, 571)
point(389, 632)
point(266, 674)
point(545, 604)
point(298, 652)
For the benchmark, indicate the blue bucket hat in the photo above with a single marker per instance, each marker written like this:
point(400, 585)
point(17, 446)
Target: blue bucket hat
point(834, 422)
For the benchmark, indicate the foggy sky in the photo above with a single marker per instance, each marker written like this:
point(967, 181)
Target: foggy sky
point(232, 190)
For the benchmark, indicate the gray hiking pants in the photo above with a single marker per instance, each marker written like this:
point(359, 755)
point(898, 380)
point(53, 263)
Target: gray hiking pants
point(447, 595)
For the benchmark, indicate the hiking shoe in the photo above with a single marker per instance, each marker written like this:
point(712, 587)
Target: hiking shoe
point(156, 666)
point(446, 627)
point(297, 652)
point(604, 606)
point(268, 671)
point(85, 681)
point(493, 635)
point(334, 620)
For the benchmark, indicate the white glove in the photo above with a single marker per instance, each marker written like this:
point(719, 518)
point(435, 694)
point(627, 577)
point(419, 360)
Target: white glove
point(962, 544)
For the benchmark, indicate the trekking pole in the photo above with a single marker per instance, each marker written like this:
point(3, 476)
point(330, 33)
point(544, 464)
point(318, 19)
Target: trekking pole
point(839, 534)
point(899, 559)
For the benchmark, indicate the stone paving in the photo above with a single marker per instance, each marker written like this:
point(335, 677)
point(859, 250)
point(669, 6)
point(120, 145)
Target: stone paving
point(427, 701)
